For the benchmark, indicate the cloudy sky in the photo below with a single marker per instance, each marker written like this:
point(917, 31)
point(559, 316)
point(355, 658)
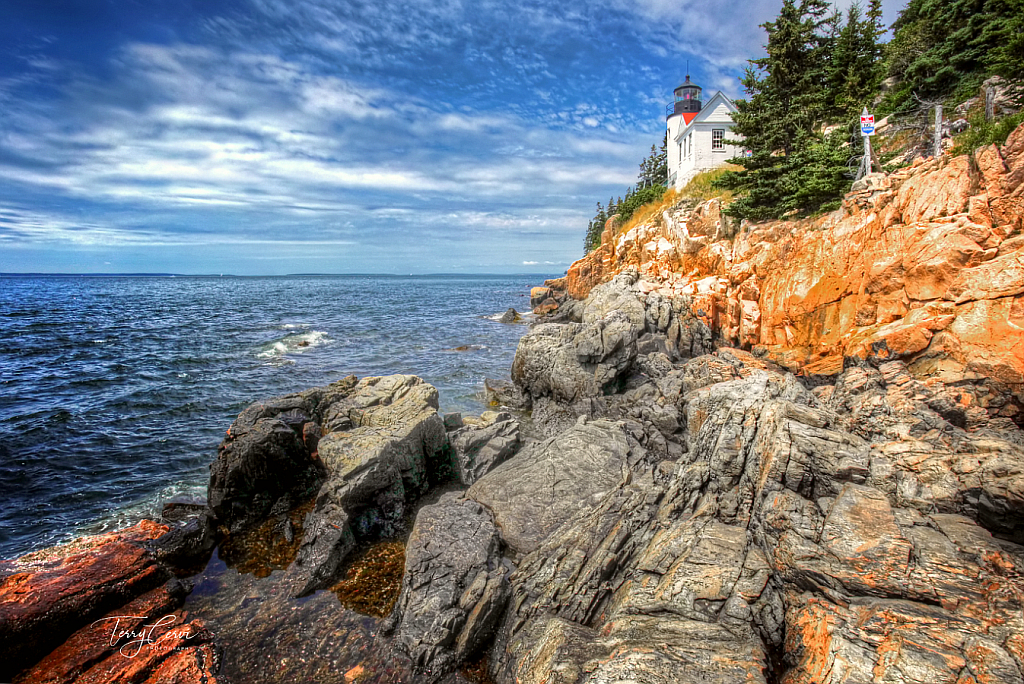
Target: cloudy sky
point(337, 136)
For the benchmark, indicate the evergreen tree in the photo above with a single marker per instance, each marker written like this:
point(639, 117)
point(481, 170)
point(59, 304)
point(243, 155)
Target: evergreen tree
point(654, 168)
point(787, 92)
point(1007, 57)
point(855, 66)
point(946, 48)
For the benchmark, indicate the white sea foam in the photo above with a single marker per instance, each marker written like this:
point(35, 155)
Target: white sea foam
point(293, 344)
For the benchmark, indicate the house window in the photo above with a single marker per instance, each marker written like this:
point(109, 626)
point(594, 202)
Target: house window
point(718, 139)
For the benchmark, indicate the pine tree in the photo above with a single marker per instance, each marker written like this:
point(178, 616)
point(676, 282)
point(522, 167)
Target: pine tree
point(787, 98)
point(946, 48)
point(855, 67)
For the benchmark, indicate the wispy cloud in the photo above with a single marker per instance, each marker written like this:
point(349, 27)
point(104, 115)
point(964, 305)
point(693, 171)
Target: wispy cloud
point(423, 130)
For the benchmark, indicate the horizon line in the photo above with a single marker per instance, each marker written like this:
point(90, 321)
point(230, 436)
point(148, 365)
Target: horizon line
point(29, 274)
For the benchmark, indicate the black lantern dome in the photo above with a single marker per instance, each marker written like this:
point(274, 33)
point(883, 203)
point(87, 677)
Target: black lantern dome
point(687, 98)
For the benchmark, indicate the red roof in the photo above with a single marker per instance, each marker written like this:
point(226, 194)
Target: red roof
point(688, 117)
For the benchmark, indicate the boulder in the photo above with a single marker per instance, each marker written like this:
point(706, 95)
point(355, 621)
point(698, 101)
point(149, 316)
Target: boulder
point(546, 483)
point(571, 361)
point(615, 295)
point(362, 448)
point(453, 590)
point(257, 465)
point(510, 316)
point(383, 445)
point(478, 449)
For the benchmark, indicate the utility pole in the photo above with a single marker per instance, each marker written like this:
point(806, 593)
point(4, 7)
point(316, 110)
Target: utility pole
point(937, 145)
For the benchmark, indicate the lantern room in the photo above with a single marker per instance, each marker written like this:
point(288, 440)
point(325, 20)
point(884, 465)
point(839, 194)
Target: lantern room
point(687, 98)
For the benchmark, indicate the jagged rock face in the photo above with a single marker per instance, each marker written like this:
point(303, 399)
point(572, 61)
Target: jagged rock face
point(453, 590)
point(480, 448)
point(547, 482)
point(363, 448)
point(268, 458)
point(828, 535)
point(256, 467)
point(383, 439)
point(925, 266)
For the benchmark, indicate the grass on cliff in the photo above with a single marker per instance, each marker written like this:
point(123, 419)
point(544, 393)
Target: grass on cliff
point(984, 132)
point(700, 188)
point(651, 210)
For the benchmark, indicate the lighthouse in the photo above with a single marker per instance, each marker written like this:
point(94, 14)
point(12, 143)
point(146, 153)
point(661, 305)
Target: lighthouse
point(696, 132)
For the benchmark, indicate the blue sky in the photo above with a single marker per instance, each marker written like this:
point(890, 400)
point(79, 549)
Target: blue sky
point(337, 136)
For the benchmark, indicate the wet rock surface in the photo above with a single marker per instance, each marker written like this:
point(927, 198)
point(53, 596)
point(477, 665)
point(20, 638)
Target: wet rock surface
point(48, 595)
point(454, 589)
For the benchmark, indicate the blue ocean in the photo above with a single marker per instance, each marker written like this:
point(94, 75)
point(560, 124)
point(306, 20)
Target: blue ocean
point(116, 391)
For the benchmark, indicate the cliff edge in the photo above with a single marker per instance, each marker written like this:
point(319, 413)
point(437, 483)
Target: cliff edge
point(925, 265)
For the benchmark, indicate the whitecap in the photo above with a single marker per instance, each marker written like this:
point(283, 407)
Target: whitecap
point(293, 344)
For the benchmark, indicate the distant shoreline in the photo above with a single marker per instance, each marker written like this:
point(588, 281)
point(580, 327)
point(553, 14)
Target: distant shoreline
point(286, 275)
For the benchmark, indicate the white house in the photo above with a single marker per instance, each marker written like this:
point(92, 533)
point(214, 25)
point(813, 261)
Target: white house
point(697, 132)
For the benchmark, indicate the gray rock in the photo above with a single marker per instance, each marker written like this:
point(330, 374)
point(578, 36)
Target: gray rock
point(258, 464)
point(377, 443)
point(546, 483)
point(510, 316)
point(478, 449)
point(453, 590)
point(570, 362)
point(391, 437)
point(615, 295)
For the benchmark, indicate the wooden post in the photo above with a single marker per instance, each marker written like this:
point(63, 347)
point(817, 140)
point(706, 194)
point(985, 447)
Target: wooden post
point(937, 148)
point(990, 103)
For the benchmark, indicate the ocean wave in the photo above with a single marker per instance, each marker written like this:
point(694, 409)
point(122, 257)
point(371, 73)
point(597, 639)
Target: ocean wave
point(523, 316)
point(293, 344)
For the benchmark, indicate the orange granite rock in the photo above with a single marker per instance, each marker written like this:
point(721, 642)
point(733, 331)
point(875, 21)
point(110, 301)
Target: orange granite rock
point(48, 595)
point(925, 265)
point(145, 641)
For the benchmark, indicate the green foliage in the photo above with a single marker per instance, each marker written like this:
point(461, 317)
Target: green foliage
point(984, 132)
point(654, 169)
point(637, 198)
point(944, 49)
point(818, 71)
point(855, 68)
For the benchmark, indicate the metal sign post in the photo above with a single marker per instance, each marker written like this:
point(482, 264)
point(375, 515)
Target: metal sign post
point(867, 129)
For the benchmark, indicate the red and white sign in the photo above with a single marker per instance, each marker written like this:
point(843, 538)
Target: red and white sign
point(867, 124)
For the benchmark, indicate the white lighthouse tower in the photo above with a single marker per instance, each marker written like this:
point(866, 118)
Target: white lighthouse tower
point(696, 133)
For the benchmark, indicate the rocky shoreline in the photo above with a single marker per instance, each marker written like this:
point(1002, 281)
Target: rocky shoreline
point(669, 490)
